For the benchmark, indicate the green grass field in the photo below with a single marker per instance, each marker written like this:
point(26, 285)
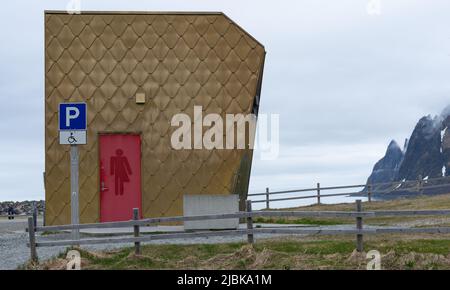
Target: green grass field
point(397, 252)
point(417, 203)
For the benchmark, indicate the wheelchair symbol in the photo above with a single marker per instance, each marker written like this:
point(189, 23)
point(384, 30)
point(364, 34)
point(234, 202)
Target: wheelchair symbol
point(72, 139)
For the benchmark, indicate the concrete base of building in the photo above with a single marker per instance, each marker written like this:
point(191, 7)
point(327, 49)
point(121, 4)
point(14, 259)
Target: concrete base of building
point(195, 205)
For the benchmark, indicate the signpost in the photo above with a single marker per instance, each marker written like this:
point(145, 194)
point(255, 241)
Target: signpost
point(72, 131)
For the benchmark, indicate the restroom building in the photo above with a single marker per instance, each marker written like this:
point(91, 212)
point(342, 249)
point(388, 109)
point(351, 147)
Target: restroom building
point(135, 71)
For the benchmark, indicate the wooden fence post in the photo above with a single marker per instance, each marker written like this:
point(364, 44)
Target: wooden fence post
point(250, 238)
point(32, 240)
point(43, 217)
point(137, 245)
point(267, 198)
point(359, 226)
point(318, 193)
point(35, 214)
point(369, 193)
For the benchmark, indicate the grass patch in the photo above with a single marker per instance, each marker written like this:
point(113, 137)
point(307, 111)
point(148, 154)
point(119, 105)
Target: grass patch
point(159, 256)
point(440, 247)
point(50, 233)
point(321, 247)
point(398, 252)
point(299, 221)
point(414, 203)
point(434, 202)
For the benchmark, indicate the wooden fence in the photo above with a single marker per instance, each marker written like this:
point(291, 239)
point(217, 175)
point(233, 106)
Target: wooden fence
point(369, 190)
point(359, 231)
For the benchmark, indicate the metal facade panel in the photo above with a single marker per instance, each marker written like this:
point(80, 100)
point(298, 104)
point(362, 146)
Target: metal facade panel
point(178, 60)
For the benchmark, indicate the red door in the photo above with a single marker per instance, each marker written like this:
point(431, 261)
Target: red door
point(120, 176)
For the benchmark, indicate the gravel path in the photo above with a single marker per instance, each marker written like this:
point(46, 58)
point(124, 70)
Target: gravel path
point(13, 245)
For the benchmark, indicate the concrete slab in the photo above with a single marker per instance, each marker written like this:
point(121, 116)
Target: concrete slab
point(197, 205)
point(129, 230)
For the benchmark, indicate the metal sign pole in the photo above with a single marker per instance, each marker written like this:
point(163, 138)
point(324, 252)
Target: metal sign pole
point(72, 131)
point(74, 190)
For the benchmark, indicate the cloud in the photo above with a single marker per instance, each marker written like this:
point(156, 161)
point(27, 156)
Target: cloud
point(303, 166)
point(344, 82)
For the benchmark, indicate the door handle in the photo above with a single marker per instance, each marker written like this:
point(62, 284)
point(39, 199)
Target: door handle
point(103, 187)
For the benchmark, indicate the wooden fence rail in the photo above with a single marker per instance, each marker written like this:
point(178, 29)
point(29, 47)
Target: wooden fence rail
point(250, 231)
point(418, 185)
point(151, 221)
point(240, 232)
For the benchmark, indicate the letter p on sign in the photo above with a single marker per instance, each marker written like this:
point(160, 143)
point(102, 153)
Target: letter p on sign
point(72, 113)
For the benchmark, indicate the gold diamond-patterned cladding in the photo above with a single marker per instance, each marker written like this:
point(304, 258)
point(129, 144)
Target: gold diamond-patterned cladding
point(178, 61)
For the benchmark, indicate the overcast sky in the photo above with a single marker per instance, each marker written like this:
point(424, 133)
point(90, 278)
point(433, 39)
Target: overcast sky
point(345, 82)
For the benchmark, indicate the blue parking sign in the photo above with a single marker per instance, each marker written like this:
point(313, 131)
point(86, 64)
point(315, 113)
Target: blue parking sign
point(72, 116)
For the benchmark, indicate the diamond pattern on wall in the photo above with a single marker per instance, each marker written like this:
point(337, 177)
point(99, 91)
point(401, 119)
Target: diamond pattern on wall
point(179, 60)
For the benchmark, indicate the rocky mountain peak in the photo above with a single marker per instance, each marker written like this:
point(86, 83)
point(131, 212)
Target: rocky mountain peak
point(426, 153)
point(393, 145)
point(385, 170)
point(423, 156)
point(427, 127)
